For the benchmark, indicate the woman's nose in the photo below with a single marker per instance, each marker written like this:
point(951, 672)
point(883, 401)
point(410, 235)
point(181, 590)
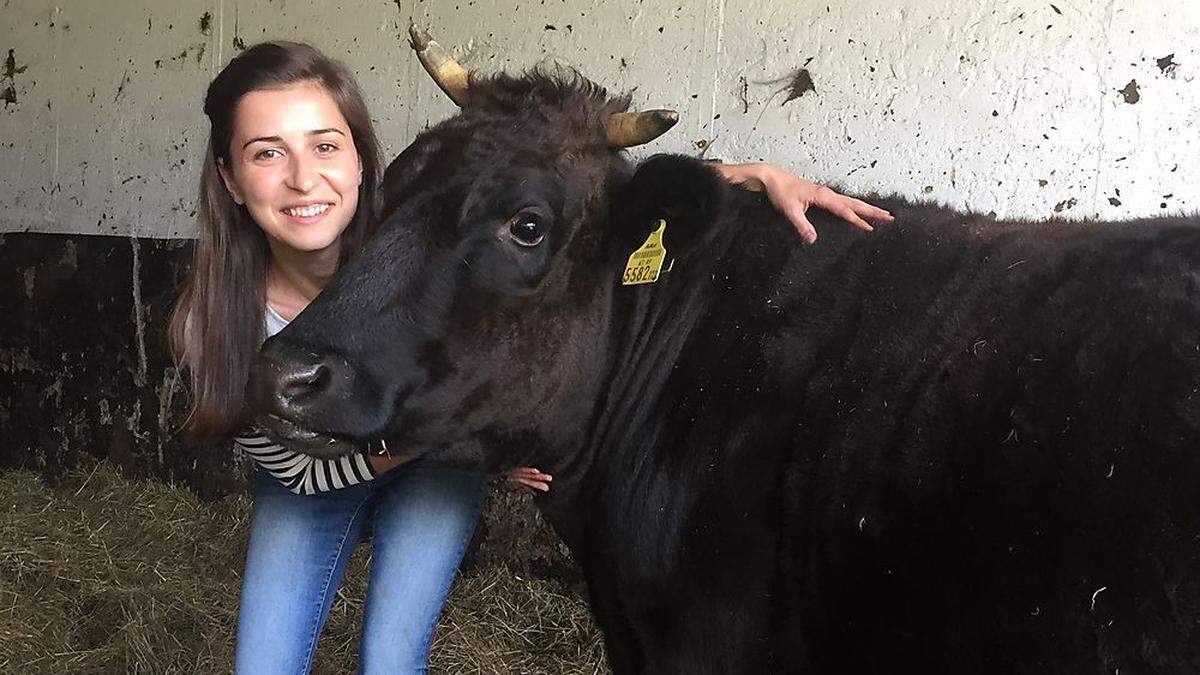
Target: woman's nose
point(303, 174)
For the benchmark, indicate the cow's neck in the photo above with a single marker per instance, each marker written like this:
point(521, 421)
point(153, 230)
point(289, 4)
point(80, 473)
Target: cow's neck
point(678, 473)
point(681, 350)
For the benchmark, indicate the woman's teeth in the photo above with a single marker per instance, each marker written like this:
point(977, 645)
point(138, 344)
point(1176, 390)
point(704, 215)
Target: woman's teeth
point(307, 211)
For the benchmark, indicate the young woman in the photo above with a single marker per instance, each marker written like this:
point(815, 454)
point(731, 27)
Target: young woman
point(288, 193)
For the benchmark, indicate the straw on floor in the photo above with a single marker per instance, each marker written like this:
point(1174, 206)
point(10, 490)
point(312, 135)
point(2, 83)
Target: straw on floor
point(102, 574)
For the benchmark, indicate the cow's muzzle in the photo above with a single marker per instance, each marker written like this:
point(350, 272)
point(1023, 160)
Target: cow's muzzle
point(295, 393)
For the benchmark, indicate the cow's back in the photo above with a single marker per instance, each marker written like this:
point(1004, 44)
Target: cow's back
point(996, 455)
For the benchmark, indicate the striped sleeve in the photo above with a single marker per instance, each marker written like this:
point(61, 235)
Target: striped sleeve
point(305, 474)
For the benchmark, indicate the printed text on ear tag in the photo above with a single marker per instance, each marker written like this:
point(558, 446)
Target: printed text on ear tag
point(646, 263)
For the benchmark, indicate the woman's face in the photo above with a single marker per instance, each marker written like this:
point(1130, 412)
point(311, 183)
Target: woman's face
point(293, 164)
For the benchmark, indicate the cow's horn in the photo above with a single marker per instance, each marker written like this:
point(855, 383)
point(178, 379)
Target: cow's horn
point(628, 129)
point(442, 67)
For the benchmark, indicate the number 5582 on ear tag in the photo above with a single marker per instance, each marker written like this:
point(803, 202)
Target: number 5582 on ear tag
point(646, 263)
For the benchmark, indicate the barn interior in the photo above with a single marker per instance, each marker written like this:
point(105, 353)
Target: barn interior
point(121, 542)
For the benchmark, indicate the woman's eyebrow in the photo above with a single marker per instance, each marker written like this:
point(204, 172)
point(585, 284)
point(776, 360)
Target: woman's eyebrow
point(277, 139)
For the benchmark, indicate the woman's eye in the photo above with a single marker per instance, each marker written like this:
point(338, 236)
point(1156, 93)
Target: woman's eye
point(326, 148)
point(527, 229)
point(269, 153)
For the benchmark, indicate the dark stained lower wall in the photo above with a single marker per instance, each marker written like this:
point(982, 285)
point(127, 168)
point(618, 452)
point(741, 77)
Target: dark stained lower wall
point(84, 370)
point(84, 364)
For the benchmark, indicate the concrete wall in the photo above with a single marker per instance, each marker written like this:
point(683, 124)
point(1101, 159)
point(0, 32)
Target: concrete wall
point(1081, 107)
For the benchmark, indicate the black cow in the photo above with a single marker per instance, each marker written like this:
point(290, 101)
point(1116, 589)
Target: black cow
point(954, 445)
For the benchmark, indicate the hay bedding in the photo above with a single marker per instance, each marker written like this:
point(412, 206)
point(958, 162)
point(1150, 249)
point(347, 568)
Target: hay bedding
point(102, 574)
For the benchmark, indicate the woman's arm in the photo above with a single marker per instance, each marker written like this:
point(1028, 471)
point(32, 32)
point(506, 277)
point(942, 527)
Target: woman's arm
point(525, 476)
point(381, 463)
point(304, 474)
point(793, 196)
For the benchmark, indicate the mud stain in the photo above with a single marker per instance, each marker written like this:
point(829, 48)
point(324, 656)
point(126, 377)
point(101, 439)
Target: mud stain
point(1130, 92)
point(240, 44)
point(11, 69)
point(8, 79)
point(1167, 64)
point(801, 83)
point(1065, 204)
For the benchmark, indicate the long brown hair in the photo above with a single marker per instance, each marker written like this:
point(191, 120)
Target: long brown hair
point(217, 326)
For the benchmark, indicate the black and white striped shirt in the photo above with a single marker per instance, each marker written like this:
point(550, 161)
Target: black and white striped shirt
point(298, 472)
point(305, 474)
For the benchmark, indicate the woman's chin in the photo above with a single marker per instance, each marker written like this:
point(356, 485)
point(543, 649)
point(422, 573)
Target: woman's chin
point(314, 242)
point(309, 239)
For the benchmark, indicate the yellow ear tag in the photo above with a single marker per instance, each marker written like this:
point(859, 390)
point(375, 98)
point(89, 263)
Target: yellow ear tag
point(646, 263)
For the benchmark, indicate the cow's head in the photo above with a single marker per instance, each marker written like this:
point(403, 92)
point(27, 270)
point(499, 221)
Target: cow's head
point(479, 308)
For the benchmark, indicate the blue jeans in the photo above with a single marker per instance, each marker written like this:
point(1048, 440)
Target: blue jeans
point(422, 517)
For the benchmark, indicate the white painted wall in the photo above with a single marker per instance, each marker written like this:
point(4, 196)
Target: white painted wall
point(1011, 106)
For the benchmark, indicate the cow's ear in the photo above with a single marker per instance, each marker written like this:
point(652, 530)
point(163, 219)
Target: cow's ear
point(413, 168)
point(684, 191)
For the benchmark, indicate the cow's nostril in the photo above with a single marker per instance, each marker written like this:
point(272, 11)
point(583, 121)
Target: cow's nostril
point(303, 381)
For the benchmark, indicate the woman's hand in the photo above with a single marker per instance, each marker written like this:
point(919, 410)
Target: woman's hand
point(531, 478)
point(793, 196)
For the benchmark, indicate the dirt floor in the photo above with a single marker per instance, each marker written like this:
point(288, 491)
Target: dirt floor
point(101, 574)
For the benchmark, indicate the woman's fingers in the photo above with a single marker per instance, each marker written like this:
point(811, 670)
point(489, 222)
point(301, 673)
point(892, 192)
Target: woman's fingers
point(529, 472)
point(870, 211)
point(532, 484)
point(794, 211)
point(531, 478)
point(848, 214)
point(850, 209)
point(854, 211)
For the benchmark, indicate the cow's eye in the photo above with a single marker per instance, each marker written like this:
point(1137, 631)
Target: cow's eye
point(527, 229)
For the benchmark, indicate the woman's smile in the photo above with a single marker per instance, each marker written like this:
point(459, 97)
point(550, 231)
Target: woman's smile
point(307, 213)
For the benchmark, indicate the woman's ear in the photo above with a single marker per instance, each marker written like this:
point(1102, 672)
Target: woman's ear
point(230, 183)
